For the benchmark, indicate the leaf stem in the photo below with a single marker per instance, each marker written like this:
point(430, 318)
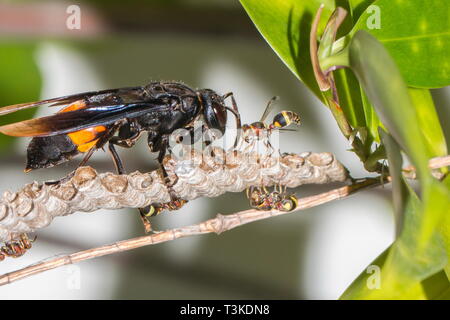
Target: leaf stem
point(336, 60)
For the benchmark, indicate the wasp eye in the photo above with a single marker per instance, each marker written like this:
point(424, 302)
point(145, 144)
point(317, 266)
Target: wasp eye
point(214, 110)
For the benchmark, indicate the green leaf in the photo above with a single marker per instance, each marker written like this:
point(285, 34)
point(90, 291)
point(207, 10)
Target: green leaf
point(358, 111)
point(444, 229)
point(436, 198)
point(419, 252)
point(429, 122)
point(357, 7)
point(350, 97)
point(360, 287)
point(405, 268)
point(410, 261)
point(372, 120)
point(356, 107)
point(286, 24)
point(384, 85)
point(399, 187)
point(348, 23)
point(19, 82)
point(435, 286)
point(417, 35)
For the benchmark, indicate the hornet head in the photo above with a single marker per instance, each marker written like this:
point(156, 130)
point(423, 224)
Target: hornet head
point(215, 110)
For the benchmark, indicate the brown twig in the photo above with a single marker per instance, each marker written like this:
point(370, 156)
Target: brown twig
point(216, 225)
point(439, 162)
point(219, 224)
point(198, 175)
point(434, 164)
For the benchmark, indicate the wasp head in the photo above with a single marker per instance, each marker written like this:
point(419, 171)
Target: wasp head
point(214, 109)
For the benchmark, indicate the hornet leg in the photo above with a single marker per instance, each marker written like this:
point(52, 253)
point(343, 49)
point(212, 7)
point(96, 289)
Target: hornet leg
point(159, 144)
point(121, 170)
point(128, 143)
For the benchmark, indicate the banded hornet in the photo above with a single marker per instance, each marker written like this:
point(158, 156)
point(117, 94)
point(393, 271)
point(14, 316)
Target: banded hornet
point(261, 199)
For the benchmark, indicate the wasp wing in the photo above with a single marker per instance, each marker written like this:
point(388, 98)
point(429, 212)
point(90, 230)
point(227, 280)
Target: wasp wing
point(96, 97)
point(284, 129)
point(269, 108)
point(71, 121)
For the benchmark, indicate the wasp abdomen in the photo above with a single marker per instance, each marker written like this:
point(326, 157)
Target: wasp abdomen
point(45, 152)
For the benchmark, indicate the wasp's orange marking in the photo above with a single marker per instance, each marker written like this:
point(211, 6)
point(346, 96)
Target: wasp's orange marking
point(87, 138)
point(86, 147)
point(277, 124)
point(84, 139)
point(77, 105)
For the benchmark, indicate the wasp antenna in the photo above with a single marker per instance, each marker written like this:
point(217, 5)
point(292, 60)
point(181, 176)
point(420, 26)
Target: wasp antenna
point(226, 95)
point(236, 113)
point(284, 129)
point(238, 124)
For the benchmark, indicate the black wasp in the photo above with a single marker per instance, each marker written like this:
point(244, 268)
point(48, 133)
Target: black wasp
point(117, 117)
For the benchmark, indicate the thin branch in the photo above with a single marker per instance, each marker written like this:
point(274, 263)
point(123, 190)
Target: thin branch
point(434, 164)
point(439, 162)
point(194, 175)
point(216, 225)
point(219, 224)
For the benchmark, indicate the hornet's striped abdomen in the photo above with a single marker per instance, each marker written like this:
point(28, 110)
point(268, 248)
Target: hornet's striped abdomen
point(285, 118)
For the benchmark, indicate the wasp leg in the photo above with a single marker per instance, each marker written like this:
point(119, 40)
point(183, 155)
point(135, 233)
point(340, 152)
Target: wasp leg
point(116, 159)
point(125, 143)
point(269, 146)
point(160, 143)
point(148, 211)
point(131, 134)
point(155, 144)
point(143, 212)
point(164, 144)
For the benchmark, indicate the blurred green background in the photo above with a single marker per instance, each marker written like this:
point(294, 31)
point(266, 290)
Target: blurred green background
point(307, 255)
